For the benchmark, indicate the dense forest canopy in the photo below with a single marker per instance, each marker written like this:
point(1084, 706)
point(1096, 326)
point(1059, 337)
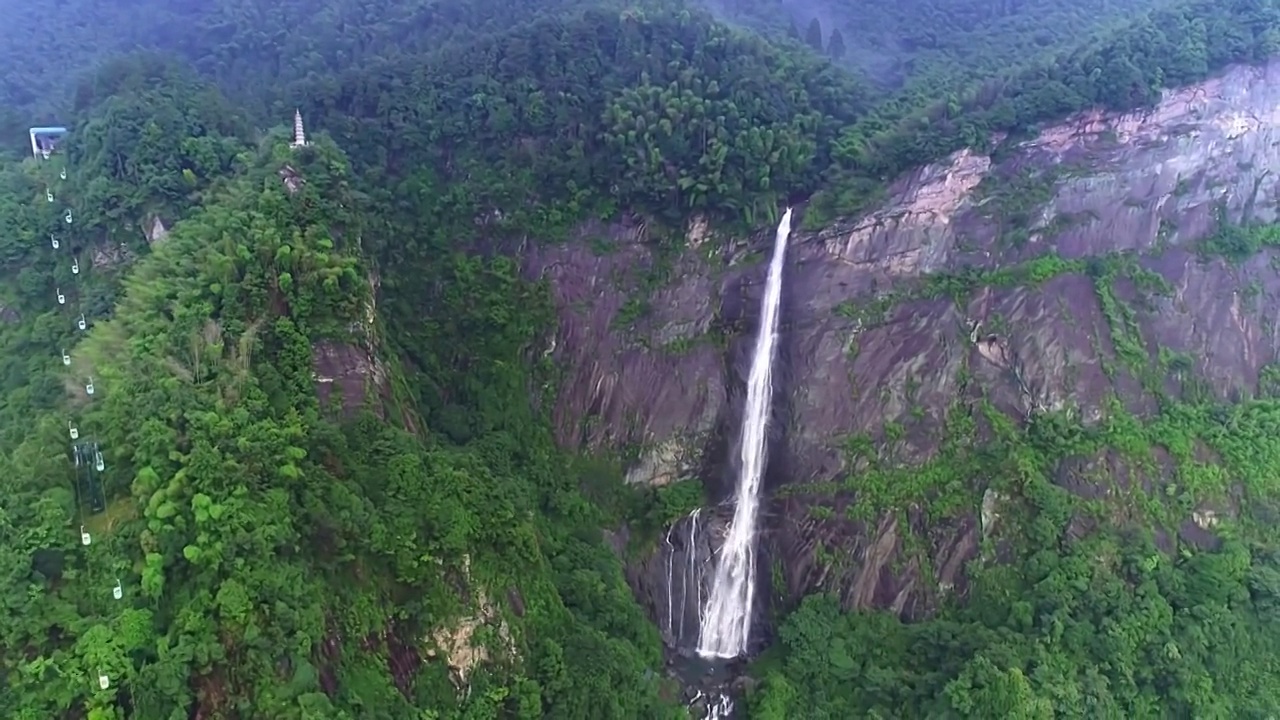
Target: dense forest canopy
point(280, 557)
point(266, 553)
point(938, 43)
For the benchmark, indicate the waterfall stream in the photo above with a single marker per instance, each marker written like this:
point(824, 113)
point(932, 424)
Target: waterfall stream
point(684, 579)
point(725, 622)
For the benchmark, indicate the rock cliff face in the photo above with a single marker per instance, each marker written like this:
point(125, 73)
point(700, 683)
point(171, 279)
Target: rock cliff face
point(654, 348)
point(350, 376)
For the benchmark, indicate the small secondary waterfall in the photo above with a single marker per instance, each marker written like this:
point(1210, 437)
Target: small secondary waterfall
point(684, 578)
point(719, 707)
point(725, 622)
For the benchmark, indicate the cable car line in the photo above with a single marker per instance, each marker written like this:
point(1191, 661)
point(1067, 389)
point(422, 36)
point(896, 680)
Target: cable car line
point(86, 453)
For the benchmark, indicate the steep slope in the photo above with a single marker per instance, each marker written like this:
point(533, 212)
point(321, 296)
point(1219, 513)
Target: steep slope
point(144, 154)
point(1123, 69)
point(255, 53)
point(279, 551)
point(1074, 287)
point(327, 493)
point(936, 45)
point(228, 38)
point(483, 168)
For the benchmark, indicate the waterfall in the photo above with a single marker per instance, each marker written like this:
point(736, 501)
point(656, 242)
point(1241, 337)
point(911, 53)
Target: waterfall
point(684, 578)
point(671, 588)
point(725, 622)
point(718, 705)
point(693, 574)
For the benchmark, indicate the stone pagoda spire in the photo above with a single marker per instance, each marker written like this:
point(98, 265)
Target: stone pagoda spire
point(299, 135)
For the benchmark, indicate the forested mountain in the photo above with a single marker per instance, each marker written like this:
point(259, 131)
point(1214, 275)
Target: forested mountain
point(254, 51)
point(938, 44)
point(309, 454)
point(266, 554)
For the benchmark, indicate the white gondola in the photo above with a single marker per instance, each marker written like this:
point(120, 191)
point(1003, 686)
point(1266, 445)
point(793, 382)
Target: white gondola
point(118, 591)
point(62, 299)
point(98, 463)
point(84, 536)
point(104, 682)
point(63, 174)
point(75, 431)
point(88, 387)
point(53, 241)
point(80, 323)
point(66, 359)
point(75, 266)
point(67, 217)
point(48, 195)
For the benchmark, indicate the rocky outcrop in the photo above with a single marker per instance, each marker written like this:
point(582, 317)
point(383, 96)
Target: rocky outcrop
point(110, 256)
point(642, 370)
point(457, 641)
point(153, 230)
point(349, 376)
point(292, 179)
point(654, 348)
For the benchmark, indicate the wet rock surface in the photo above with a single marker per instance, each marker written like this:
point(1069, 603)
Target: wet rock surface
point(662, 387)
point(347, 377)
point(658, 366)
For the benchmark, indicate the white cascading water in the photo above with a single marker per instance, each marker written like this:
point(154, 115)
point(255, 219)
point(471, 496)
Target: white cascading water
point(718, 706)
point(725, 624)
point(689, 578)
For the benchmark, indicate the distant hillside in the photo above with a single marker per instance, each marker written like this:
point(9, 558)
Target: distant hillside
point(238, 43)
point(935, 41)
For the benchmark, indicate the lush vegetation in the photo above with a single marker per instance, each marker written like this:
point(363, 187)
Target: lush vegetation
point(284, 557)
point(937, 44)
point(275, 562)
point(1080, 604)
point(664, 112)
point(1097, 628)
point(1083, 623)
point(239, 44)
point(572, 106)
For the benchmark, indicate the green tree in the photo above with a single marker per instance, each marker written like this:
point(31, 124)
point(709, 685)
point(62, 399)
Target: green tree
point(835, 46)
point(813, 35)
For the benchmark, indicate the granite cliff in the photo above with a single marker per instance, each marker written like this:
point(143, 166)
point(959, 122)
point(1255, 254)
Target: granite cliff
point(981, 277)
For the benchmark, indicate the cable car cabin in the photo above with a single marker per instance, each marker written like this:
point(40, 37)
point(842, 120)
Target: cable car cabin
point(44, 140)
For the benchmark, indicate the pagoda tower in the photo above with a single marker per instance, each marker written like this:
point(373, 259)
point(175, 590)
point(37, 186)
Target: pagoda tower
point(299, 135)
